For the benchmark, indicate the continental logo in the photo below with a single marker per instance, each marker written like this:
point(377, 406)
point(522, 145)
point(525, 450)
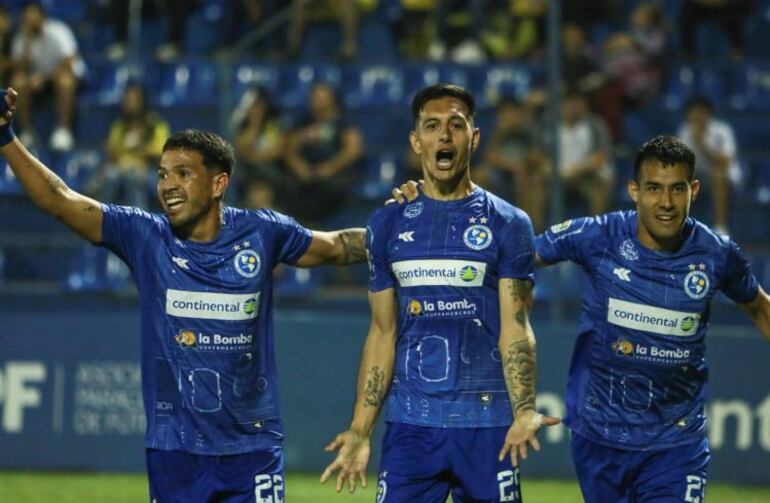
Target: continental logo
point(443, 307)
point(459, 273)
point(212, 306)
point(651, 319)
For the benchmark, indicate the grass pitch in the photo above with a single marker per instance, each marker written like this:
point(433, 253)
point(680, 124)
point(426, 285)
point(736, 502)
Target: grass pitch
point(39, 487)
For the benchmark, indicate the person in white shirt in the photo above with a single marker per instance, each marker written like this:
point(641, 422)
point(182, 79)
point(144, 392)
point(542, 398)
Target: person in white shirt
point(713, 142)
point(46, 59)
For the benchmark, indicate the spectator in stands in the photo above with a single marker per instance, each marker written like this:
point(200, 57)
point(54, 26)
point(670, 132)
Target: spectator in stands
point(586, 151)
point(650, 30)
point(260, 145)
point(728, 14)
point(322, 155)
point(514, 29)
point(45, 57)
point(516, 156)
point(346, 12)
point(133, 149)
point(580, 70)
point(417, 28)
point(713, 142)
point(6, 29)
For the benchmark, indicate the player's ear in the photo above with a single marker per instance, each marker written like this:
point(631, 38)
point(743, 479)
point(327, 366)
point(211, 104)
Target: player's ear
point(416, 147)
point(633, 190)
point(695, 187)
point(475, 139)
point(220, 182)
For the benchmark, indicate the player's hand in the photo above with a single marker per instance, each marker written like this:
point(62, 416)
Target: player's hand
point(407, 192)
point(351, 461)
point(523, 431)
point(8, 108)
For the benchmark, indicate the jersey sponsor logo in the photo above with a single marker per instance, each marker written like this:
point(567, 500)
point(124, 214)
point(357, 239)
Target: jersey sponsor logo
point(247, 263)
point(696, 283)
point(407, 237)
point(442, 307)
point(413, 210)
point(622, 273)
point(181, 262)
point(212, 306)
point(557, 228)
point(650, 353)
point(462, 273)
point(651, 319)
point(213, 342)
point(477, 237)
point(628, 251)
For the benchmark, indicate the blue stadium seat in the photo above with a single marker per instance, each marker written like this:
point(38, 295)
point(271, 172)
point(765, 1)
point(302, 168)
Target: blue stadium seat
point(95, 269)
point(376, 43)
point(759, 183)
point(321, 44)
point(689, 80)
point(78, 166)
point(376, 86)
point(70, 11)
point(751, 87)
point(190, 84)
point(106, 82)
point(8, 182)
point(382, 174)
point(249, 75)
point(297, 80)
point(507, 80)
point(418, 76)
point(206, 28)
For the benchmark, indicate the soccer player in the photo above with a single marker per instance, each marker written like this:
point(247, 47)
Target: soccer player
point(204, 273)
point(450, 345)
point(637, 384)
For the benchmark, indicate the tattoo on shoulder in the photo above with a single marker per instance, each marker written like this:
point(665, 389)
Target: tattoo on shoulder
point(354, 245)
point(374, 387)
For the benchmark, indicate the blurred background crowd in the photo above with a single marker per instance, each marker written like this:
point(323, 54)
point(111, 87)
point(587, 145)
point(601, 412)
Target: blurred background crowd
point(314, 95)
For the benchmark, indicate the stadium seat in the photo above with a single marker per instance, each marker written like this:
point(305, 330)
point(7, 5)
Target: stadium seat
point(382, 174)
point(690, 80)
point(250, 75)
point(321, 44)
point(759, 183)
point(69, 11)
point(193, 83)
point(95, 269)
point(751, 87)
point(508, 80)
point(376, 43)
point(77, 167)
point(206, 28)
point(418, 76)
point(376, 86)
point(297, 80)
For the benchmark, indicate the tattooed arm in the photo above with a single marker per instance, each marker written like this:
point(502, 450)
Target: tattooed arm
point(519, 360)
point(78, 212)
point(374, 376)
point(344, 247)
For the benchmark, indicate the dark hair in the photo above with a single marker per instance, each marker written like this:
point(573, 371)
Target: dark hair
point(667, 149)
point(437, 91)
point(216, 152)
point(699, 101)
point(34, 4)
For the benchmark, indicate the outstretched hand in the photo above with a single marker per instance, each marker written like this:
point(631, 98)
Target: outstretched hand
point(407, 192)
point(351, 460)
point(522, 431)
point(7, 105)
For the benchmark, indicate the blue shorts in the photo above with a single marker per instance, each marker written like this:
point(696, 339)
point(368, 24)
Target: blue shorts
point(676, 475)
point(424, 465)
point(182, 477)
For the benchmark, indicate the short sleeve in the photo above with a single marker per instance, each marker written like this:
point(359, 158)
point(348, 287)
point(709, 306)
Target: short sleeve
point(739, 283)
point(517, 249)
point(125, 230)
point(65, 39)
point(380, 275)
point(291, 239)
point(565, 241)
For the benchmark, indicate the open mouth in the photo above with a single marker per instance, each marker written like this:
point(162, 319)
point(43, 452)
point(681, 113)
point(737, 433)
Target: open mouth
point(666, 218)
point(444, 158)
point(173, 202)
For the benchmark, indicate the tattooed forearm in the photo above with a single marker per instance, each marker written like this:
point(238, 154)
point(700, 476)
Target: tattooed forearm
point(519, 370)
point(374, 390)
point(521, 292)
point(353, 245)
point(55, 184)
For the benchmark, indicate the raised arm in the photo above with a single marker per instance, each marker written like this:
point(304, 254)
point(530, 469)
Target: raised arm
point(374, 376)
point(519, 359)
point(49, 193)
point(759, 310)
point(343, 247)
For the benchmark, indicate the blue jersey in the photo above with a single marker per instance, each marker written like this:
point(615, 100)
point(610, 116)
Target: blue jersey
point(444, 259)
point(208, 368)
point(638, 374)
